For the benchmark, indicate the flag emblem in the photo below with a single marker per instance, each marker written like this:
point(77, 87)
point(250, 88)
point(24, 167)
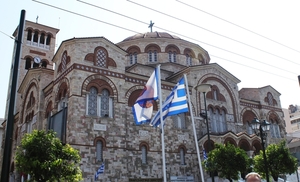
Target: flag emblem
point(143, 107)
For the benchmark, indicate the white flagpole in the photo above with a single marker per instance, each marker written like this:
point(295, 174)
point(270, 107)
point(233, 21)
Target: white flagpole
point(194, 129)
point(162, 126)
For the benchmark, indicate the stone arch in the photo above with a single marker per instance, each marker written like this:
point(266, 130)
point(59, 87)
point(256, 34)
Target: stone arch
point(256, 146)
point(152, 46)
point(143, 143)
point(133, 49)
point(244, 144)
point(88, 80)
point(212, 145)
point(230, 140)
point(33, 83)
point(63, 83)
point(172, 47)
point(213, 77)
point(190, 52)
point(100, 139)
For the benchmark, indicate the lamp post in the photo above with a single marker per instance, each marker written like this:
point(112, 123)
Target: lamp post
point(261, 128)
point(204, 88)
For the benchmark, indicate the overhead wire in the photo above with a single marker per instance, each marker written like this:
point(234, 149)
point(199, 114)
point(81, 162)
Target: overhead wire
point(78, 14)
point(239, 26)
point(181, 35)
point(212, 32)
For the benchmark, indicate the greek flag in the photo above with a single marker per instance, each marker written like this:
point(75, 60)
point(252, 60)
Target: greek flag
point(204, 154)
point(99, 171)
point(143, 107)
point(175, 103)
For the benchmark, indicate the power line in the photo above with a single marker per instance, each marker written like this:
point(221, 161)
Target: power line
point(181, 35)
point(239, 26)
point(212, 32)
point(251, 67)
point(8, 35)
point(85, 16)
point(158, 28)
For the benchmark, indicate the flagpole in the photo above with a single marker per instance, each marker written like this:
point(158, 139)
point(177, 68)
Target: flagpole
point(162, 125)
point(194, 129)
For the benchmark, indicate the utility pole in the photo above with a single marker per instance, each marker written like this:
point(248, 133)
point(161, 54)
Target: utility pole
point(10, 117)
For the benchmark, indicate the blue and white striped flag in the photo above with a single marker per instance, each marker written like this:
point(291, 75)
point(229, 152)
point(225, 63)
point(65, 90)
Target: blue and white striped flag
point(99, 171)
point(175, 103)
point(204, 154)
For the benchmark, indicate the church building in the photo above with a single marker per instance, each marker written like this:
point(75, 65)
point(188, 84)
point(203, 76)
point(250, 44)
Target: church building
point(85, 91)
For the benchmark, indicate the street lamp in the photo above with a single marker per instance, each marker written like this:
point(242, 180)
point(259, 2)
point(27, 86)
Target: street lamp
point(261, 128)
point(204, 88)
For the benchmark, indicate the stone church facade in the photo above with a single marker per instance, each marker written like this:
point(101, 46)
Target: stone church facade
point(85, 91)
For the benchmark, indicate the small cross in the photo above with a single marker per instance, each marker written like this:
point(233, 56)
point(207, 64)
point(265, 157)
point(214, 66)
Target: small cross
point(37, 18)
point(151, 25)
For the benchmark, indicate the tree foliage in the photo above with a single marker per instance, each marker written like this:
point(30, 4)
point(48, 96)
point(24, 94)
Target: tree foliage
point(279, 161)
point(43, 156)
point(228, 161)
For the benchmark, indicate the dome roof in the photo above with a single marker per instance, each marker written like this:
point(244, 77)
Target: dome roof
point(151, 35)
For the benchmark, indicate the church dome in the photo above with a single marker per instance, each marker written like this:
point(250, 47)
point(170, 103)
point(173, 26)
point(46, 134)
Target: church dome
point(151, 35)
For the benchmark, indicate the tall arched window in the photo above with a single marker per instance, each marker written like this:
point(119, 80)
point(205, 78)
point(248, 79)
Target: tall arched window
point(133, 58)
point(99, 151)
point(101, 58)
point(144, 154)
point(92, 101)
point(213, 121)
point(28, 63)
point(188, 60)
point(270, 99)
point(172, 56)
point(152, 56)
point(223, 121)
point(48, 39)
point(99, 105)
point(179, 121)
point(64, 61)
point(275, 130)
point(42, 38)
point(29, 35)
point(36, 36)
point(182, 156)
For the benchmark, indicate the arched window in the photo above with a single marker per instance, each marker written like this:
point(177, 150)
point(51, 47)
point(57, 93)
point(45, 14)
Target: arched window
point(152, 56)
point(29, 35)
point(213, 121)
point(144, 154)
point(133, 58)
point(99, 105)
point(270, 99)
point(182, 156)
point(28, 63)
point(99, 151)
point(42, 38)
point(179, 121)
point(36, 36)
point(223, 121)
point(172, 56)
point(101, 58)
point(64, 61)
point(275, 130)
point(92, 101)
point(188, 60)
point(48, 39)
point(44, 64)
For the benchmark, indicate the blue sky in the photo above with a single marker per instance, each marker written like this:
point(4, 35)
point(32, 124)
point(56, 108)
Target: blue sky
point(254, 58)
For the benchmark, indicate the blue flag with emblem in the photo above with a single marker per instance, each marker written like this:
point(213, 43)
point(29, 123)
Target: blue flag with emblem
point(143, 107)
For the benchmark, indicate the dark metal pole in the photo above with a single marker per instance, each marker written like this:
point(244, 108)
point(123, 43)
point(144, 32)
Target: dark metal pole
point(10, 117)
point(264, 153)
point(208, 135)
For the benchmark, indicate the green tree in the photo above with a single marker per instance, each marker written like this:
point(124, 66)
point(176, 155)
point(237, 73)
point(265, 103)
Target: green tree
point(43, 156)
point(229, 161)
point(279, 161)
